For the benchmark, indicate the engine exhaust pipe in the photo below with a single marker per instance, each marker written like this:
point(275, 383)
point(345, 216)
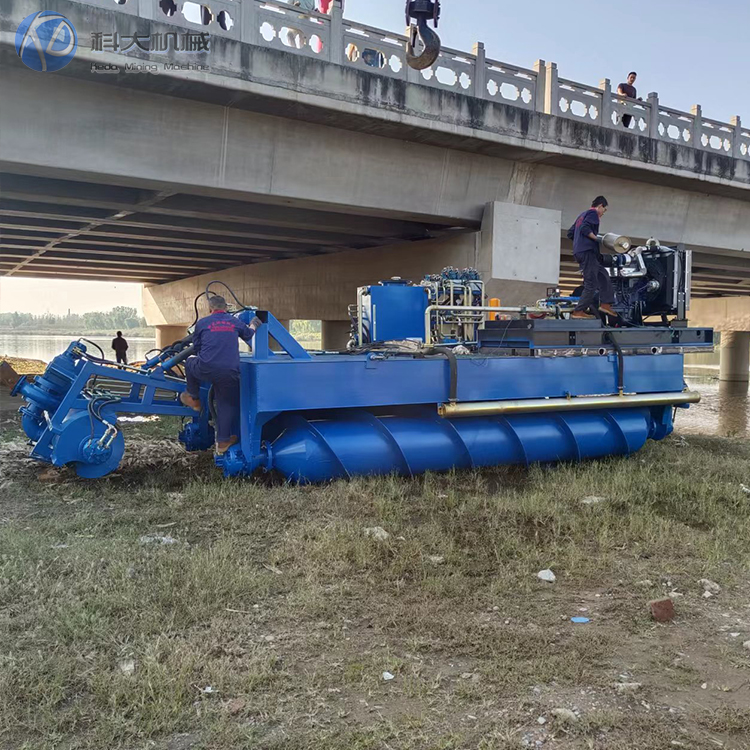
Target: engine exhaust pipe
point(616, 243)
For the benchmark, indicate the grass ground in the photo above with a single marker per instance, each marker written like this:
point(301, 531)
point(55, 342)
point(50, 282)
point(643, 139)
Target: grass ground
point(271, 619)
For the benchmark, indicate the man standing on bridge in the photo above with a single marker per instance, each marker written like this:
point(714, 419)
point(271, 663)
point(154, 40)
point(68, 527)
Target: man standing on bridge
point(628, 89)
point(217, 361)
point(584, 234)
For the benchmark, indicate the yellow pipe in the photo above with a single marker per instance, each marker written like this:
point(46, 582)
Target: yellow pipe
point(581, 403)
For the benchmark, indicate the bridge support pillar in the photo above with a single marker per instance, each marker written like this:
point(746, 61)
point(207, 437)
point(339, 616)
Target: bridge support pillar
point(274, 346)
point(735, 356)
point(166, 335)
point(519, 250)
point(335, 334)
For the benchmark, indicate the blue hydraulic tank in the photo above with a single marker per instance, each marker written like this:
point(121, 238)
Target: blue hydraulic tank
point(394, 309)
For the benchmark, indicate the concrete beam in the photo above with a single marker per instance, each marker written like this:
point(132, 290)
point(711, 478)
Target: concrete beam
point(279, 181)
point(517, 253)
point(273, 345)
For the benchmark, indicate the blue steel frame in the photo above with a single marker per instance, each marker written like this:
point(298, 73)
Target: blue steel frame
point(141, 400)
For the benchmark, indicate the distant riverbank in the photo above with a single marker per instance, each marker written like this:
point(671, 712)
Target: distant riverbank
point(46, 346)
point(136, 333)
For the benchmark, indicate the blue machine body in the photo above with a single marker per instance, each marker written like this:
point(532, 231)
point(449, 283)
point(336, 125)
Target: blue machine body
point(340, 416)
point(319, 416)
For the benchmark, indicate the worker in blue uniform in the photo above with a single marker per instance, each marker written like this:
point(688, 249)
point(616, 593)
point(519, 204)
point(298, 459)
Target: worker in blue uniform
point(217, 361)
point(584, 234)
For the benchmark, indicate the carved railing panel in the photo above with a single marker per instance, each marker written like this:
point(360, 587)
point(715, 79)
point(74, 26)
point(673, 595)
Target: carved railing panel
point(510, 85)
point(578, 101)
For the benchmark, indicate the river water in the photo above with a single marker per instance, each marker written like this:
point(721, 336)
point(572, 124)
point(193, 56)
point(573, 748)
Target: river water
point(44, 347)
point(724, 409)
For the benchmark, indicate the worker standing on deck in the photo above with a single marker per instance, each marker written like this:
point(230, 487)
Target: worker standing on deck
point(584, 234)
point(120, 348)
point(217, 361)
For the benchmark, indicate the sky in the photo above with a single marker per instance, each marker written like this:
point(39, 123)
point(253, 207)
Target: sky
point(689, 51)
point(41, 296)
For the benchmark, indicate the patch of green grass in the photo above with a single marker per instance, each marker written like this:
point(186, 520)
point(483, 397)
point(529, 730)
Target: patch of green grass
point(274, 597)
point(729, 720)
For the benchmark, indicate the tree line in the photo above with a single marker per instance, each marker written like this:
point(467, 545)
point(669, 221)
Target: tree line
point(119, 318)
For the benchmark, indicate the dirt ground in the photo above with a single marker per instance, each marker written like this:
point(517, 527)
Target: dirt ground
point(168, 608)
point(24, 366)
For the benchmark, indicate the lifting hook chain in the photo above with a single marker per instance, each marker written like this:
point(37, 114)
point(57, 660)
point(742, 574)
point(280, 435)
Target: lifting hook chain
point(422, 11)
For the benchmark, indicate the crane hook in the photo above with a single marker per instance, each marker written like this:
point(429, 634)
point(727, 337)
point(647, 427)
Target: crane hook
point(422, 11)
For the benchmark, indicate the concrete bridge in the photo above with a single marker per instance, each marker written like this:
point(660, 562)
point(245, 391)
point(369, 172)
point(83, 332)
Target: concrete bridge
point(298, 157)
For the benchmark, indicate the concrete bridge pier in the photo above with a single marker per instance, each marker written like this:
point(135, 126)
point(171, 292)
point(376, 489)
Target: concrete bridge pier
point(273, 345)
point(735, 357)
point(517, 253)
point(335, 334)
point(168, 334)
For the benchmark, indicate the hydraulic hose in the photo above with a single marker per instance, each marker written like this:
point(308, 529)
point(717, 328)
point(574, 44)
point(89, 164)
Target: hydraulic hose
point(95, 406)
point(450, 355)
point(609, 336)
point(229, 289)
point(93, 343)
point(178, 358)
point(195, 306)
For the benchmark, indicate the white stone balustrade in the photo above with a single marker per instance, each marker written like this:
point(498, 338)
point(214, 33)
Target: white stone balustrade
point(577, 101)
point(717, 136)
point(282, 28)
point(278, 24)
point(373, 50)
point(675, 126)
point(741, 140)
point(509, 84)
point(454, 71)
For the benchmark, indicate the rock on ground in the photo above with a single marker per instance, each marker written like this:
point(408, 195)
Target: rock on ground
point(662, 610)
point(565, 715)
point(627, 688)
point(593, 500)
point(378, 533)
point(710, 586)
